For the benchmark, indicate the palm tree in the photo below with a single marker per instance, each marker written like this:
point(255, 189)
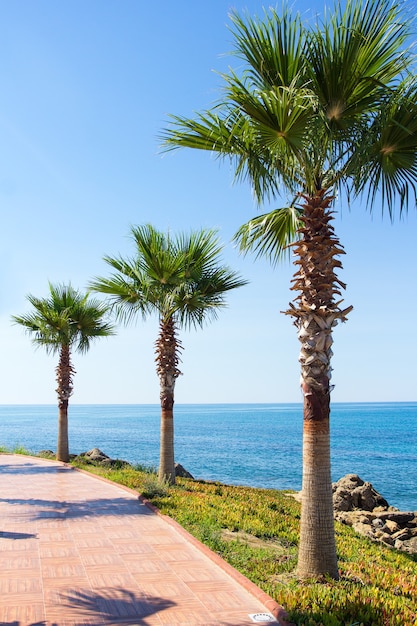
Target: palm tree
point(318, 112)
point(180, 279)
point(64, 321)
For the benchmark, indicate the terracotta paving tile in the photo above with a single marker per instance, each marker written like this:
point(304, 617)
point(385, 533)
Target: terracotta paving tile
point(53, 535)
point(25, 612)
point(126, 546)
point(189, 613)
point(79, 551)
point(197, 571)
point(217, 595)
point(173, 553)
point(120, 533)
point(21, 584)
point(103, 558)
point(59, 549)
point(62, 568)
point(18, 560)
point(99, 579)
point(159, 536)
point(139, 564)
point(167, 588)
point(66, 582)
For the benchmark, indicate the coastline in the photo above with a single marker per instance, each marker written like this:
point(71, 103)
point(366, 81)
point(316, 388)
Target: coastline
point(258, 445)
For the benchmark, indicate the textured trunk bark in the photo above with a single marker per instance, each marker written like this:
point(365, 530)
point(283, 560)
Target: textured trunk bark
point(166, 457)
point(316, 313)
point(64, 373)
point(317, 551)
point(167, 359)
point(62, 450)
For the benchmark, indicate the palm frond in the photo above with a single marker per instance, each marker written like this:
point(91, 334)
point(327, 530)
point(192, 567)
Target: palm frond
point(273, 48)
point(177, 277)
point(386, 159)
point(270, 234)
point(354, 56)
point(66, 317)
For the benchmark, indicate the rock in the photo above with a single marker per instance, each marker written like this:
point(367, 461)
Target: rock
point(392, 526)
point(95, 455)
point(400, 517)
point(358, 504)
point(409, 545)
point(342, 500)
point(351, 492)
point(378, 523)
point(386, 538)
point(402, 534)
point(364, 529)
point(115, 463)
point(181, 472)
point(47, 454)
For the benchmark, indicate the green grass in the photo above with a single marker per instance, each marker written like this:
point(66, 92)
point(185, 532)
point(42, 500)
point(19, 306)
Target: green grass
point(17, 449)
point(256, 531)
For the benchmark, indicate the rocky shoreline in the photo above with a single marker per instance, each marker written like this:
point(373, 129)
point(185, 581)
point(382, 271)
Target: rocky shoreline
point(97, 457)
point(356, 503)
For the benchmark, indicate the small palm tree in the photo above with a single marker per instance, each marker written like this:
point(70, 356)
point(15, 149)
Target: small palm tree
point(180, 279)
point(64, 321)
point(318, 111)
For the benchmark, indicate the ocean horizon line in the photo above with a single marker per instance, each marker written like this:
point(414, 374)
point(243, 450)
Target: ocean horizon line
point(157, 404)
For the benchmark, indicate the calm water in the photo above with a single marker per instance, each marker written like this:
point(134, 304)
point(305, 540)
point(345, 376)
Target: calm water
point(255, 444)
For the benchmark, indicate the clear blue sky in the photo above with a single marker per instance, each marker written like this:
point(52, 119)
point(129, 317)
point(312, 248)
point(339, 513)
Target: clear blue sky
point(87, 87)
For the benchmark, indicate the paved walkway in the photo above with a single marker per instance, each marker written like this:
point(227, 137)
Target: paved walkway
point(76, 549)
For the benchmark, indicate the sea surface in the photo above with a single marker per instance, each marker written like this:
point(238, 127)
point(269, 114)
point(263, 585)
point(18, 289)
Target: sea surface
point(242, 444)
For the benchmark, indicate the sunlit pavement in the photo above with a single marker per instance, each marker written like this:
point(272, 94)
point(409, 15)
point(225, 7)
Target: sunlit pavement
point(76, 549)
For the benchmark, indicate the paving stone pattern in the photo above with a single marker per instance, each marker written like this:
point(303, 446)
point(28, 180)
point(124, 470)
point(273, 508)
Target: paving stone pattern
point(77, 550)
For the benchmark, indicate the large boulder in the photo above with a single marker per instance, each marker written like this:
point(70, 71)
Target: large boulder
point(95, 455)
point(357, 504)
point(182, 472)
point(351, 492)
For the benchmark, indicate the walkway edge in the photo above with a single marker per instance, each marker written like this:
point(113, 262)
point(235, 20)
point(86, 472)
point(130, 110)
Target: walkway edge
point(273, 607)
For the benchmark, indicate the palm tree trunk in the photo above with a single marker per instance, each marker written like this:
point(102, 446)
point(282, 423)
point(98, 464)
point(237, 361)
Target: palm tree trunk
point(64, 373)
point(167, 359)
point(166, 455)
point(316, 313)
point(62, 450)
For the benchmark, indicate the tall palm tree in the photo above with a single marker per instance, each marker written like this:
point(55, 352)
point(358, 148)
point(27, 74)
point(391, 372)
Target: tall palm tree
point(318, 112)
point(182, 281)
point(64, 321)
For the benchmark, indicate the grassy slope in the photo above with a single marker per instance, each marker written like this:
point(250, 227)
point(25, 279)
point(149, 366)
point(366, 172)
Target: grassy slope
point(256, 531)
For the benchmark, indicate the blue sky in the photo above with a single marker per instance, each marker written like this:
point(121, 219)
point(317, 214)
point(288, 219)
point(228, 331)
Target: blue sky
point(87, 88)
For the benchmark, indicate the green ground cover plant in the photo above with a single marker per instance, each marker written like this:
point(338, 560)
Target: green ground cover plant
point(257, 532)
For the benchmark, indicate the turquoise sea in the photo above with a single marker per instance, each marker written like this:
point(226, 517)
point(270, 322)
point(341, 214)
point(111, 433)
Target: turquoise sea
point(248, 444)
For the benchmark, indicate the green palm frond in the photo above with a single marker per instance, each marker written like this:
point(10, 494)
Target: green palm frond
point(354, 57)
point(270, 234)
point(315, 107)
point(281, 114)
point(65, 318)
point(273, 48)
point(178, 277)
point(386, 159)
